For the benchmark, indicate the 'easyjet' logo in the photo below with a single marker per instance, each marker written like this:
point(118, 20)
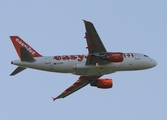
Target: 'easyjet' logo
point(71, 57)
point(26, 46)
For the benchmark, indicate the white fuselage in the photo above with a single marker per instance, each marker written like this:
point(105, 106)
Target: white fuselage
point(76, 64)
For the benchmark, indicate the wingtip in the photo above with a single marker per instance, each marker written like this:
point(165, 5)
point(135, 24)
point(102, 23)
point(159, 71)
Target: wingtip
point(53, 98)
point(84, 21)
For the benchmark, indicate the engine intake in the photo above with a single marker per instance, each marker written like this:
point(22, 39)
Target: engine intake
point(103, 83)
point(113, 57)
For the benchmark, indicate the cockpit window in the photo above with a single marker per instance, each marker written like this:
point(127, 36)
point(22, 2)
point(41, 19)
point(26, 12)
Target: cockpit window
point(145, 56)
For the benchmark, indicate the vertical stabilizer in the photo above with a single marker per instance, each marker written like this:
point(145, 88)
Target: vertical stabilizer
point(18, 43)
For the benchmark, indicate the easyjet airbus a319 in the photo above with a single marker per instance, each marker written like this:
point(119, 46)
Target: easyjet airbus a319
point(89, 67)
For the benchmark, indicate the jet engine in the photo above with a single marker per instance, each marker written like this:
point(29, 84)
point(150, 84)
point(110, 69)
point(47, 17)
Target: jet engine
point(113, 57)
point(103, 83)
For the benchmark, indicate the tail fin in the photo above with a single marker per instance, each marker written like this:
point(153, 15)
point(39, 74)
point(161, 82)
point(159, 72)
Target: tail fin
point(18, 43)
point(24, 56)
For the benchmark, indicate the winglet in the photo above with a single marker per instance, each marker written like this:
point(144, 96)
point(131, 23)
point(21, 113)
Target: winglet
point(84, 20)
point(53, 98)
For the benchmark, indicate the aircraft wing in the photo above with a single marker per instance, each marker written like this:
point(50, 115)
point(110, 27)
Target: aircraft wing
point(81, 82)
point(94, 44)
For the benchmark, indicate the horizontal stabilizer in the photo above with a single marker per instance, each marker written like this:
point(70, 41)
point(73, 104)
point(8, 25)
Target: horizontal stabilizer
point(25, 55)
point(17, 70)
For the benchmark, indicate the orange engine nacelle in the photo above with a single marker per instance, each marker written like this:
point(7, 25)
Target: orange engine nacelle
point(103, 83)
point(114, 57)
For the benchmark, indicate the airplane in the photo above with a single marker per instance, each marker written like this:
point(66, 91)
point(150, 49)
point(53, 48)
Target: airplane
point(89, 67)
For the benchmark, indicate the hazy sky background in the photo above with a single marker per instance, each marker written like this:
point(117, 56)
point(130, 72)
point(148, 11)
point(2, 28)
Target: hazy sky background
point(55, 28)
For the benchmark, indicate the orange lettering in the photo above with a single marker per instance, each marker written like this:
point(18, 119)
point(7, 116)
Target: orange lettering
point(80, 57)
point(65, 57)
point(57, 57)
point(124, 55)
point(73, 57)
point(132, 54)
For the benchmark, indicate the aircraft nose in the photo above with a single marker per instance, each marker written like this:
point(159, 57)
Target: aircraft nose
point(152, 63)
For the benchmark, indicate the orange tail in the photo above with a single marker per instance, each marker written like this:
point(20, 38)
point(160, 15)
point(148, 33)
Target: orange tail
point(18, 42)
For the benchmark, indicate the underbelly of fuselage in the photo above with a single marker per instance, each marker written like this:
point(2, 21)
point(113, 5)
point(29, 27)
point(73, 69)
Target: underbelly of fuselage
point(93, 71)
point(82, 69)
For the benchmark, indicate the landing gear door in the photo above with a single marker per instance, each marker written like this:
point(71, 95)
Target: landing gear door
point(47, 60)
point(137, 57)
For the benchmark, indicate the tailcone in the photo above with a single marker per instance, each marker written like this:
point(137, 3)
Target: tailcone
point(16, 62)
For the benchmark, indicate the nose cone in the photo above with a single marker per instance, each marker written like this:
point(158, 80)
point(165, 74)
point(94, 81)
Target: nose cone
point(152, 63)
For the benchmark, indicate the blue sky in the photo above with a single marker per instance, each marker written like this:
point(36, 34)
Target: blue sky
point(55, 28)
